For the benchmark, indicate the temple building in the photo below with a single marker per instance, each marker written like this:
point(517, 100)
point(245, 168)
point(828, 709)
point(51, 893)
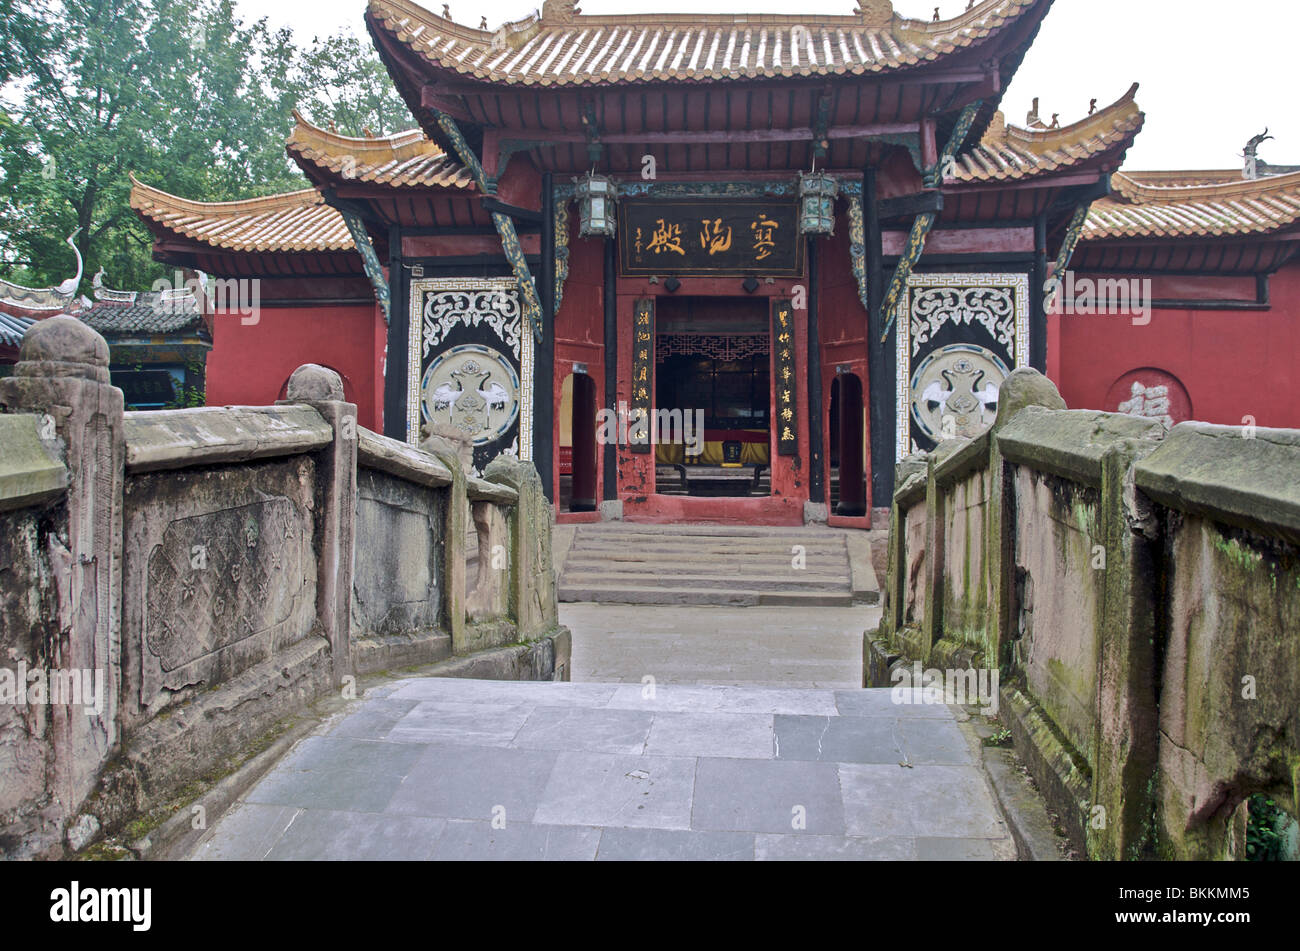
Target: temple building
point(728, 268)
point(158, 340)
point(1222, 339)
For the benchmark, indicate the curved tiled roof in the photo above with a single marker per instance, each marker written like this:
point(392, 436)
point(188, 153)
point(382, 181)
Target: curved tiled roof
point(1173, 179)
point(1007, 153)
point(294, 221)
point(404, 159)
point(12, 329)
point(151, 313)
point(562, 48)
point(1232, 208)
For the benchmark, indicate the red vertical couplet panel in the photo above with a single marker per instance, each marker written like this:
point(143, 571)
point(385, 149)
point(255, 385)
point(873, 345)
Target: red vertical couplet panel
point(643, 368)
point(784, 378)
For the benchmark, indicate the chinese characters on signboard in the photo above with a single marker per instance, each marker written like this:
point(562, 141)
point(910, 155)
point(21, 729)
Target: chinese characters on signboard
point(784, 381)
point(643, 361)
point(718, 238)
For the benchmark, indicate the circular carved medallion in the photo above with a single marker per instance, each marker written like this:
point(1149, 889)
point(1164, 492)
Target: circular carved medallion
point(1152, 393)
point(473, 388)
point(954, 391)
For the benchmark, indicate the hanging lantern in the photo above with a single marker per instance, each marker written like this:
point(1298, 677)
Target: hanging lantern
point(596, 195)
point(817, 193)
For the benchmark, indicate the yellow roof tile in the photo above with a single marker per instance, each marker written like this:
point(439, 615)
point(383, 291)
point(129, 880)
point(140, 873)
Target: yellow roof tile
point(293, 221)
point(560, 48)
point(405, 159)
point(1220, 207)
point(1009, 153)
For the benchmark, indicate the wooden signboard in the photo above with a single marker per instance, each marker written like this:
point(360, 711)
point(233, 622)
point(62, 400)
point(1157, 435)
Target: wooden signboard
point(710, 237)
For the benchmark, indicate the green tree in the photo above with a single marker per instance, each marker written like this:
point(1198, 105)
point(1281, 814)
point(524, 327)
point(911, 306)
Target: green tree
point(183, 93)
point(342, 81)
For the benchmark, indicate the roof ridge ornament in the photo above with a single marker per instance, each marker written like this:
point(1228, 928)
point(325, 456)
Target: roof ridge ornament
point(560, 11)
point(103, 293)
point(516, 33)
point(996, 133)
point(877, 14)
point(1251, 171)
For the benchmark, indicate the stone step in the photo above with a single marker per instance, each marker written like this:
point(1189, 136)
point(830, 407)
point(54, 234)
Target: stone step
point(632, 566)
point(736, 597)
point(691, 564)
point(726, 531)
point(711, 551)
point(706, 542)
point(712, 580)
point(715, 537)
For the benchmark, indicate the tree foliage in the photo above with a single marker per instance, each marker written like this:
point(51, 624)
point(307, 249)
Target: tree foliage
point(183, 93)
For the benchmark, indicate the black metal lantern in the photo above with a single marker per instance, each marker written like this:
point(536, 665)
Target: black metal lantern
point(596, 196)
point(817, 193)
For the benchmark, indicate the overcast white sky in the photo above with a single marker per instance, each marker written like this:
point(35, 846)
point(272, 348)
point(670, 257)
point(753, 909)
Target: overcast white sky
point(1213, 73)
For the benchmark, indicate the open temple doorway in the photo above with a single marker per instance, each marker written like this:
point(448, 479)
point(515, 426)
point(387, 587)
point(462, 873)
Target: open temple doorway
point(578, 456)
point(712, 363)
point(848, 482)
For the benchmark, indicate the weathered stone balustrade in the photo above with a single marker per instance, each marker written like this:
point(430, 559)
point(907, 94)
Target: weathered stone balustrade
point(1139, 591)
point(218, 569)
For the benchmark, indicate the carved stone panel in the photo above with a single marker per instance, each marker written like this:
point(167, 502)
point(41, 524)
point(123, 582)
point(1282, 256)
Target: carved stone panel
point(220, 587)
point(219, 574)
point(959, 336)
point(396, 587)
point(471, 364)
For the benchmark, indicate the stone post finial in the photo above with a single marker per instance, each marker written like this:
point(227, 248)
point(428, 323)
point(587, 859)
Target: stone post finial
point(444, 438)
point(1025, 387)
point(313, 383)
point(533, 602)
point(63, 346)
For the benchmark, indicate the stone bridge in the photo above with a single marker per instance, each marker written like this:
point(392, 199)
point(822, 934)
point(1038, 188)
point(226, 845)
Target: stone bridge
point(189, 594)
point(178, 583)
point(1139, 591)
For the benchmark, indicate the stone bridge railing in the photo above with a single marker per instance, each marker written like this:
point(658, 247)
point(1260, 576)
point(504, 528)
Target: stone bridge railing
point(1139, 592)
point(182, 581)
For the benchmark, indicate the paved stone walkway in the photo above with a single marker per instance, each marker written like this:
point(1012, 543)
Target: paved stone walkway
point(432, 768)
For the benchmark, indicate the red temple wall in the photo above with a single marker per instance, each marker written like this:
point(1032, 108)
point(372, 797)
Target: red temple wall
point(580, 336)
point(1233, 364)
point(250, 363)
point(843, 329)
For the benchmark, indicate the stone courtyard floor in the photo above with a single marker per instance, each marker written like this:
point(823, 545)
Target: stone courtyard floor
point(434, 768)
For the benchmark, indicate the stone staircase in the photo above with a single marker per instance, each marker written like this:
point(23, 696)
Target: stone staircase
point(625, 563)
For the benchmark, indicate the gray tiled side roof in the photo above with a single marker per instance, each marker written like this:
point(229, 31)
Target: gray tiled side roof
point(147, 315)
point(12, 329)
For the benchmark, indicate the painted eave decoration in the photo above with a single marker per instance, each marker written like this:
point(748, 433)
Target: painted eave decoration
point(560, 47)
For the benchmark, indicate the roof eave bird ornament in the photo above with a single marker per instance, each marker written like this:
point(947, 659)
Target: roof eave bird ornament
point(69, 287)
